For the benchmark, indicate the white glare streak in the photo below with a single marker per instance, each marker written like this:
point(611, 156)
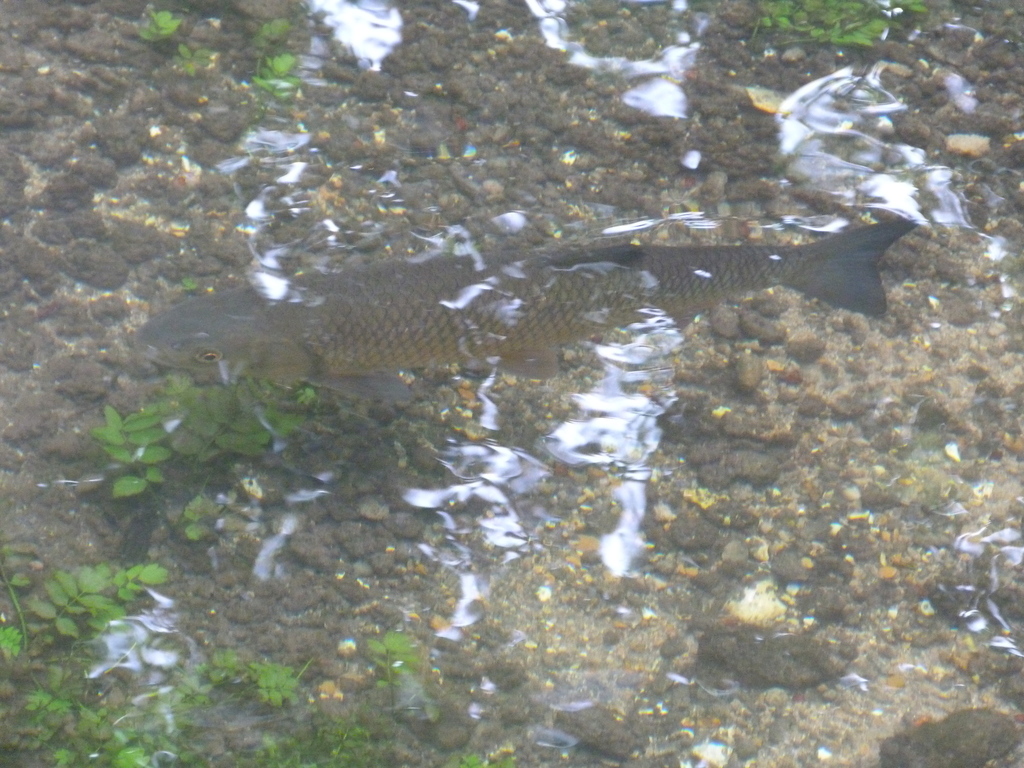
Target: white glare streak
point(262, 567)
point(370, 29)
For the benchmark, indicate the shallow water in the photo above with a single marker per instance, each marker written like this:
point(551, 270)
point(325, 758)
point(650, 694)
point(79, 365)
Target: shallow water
point(567, 560)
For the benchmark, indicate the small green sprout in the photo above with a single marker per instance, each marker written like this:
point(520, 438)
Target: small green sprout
point(274, 75)
point(189, 284)
point(199, 516)
point(274, 32)
point(275, 684)
point(395, 655)
point(225, 667)
point(190, 61)
point(162, 24)
point(9, 561)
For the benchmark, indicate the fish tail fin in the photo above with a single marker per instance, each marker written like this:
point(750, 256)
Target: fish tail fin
point(842, 270)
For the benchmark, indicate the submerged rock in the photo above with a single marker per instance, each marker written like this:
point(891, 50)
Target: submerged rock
point(601, 730)
point(968, 738)
point(762, 660)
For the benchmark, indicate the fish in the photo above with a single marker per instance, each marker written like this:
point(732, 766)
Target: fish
point(355, 328)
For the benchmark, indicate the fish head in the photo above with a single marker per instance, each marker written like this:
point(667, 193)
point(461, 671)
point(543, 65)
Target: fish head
point(219, 337)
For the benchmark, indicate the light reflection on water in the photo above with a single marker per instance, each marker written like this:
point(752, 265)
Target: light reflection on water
point(616, 430)
point(835, 132)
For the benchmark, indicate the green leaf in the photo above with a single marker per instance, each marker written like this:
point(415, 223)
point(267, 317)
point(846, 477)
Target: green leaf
point(122, 455)
point(57, 593)
point(67, 581)
point(66, 626)
point(94, 579)
point(154, 454)
point(108, 435)
point(147, 436)
point(283, 423)
point(37, 700)
point(113, 418)
point(10, 641)
point(152, 574)
point(129, 485)
point(19, 580)
point(154, 475)
point(97, 603)
point(143, 420)
point(245, 444)
point(100, 621)
point(131, 757)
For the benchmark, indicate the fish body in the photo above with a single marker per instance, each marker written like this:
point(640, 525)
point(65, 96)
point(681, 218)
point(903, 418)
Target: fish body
point(374, 319)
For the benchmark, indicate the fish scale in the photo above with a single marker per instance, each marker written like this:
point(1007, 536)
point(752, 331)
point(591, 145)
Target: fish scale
point(374, 319)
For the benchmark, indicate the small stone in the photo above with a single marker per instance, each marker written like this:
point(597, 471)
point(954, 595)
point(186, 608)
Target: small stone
point(373, 509)
point(749, 372)
point(725, 321)
point(758, 605)
point(793, 55)
point(805, 347)
point(765, 99)
point(968, 144)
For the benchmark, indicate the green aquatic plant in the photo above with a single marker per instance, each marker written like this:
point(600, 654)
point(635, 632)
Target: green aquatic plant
point(14, 579)
point(275, 75)
point(199, 517)
point(93, 595)
point(837, 22)
point(399, 666)
point(162, 24)
point(190, 423)
point(132, 442)
point(64, 716)
point(273, 34)
point(275, 684)
point(191, 60)
point(394, 655)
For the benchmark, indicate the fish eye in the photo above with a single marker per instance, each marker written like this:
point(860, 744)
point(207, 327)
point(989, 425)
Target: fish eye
point(209, 356)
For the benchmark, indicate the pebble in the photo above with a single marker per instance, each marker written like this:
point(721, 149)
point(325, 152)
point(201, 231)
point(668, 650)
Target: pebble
point(968, 144)
point(373, 509)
